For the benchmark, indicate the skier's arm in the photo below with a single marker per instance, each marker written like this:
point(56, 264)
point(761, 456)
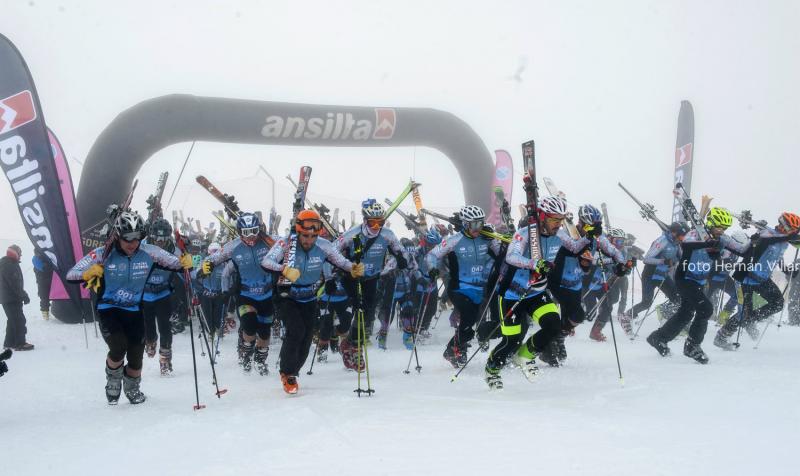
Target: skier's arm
point(272, 261)
point(609, 249)
point(515, 255)
point(75, 275)
point(224, 255)
point(389, 266)
point(334, 256)
point(573, 245)
point(162, 258)
point(735, 246)
point(652, 256)
point(441, 250)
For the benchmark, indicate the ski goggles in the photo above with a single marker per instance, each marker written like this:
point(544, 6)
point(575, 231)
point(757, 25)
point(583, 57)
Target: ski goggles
point(554, 219)
point(475, 225)
point(250, 232)
point(375, 222)
point(131, 236)
point(310, 225)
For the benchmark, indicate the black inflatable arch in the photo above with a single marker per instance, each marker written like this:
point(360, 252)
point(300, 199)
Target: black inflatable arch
point(137, 133)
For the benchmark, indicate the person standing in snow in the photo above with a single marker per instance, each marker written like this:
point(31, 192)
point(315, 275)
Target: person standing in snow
point(13, 297)
point(44, 279)
point(119, 280)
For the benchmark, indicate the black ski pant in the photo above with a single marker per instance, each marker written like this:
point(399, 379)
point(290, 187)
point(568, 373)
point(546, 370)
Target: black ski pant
point(298, 319)
point(156, 316)
point(513, 327)
point(44, 279)
point(369, 291)
point(123, 332)
point(213, 306)
point(329, 309)
point(255, 317)
point(649, 286)
point(623, 293)
point(15, 325)
point(386, 301)
point(468, 311)
point(572, 312)
point(695, 308)
point(769, 291)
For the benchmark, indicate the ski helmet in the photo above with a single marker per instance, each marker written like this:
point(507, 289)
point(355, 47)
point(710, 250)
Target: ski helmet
point(553, 206)
point(370, 208)
point(248, 225)
point(130, 226)
point(679, 229)
point(616, 233)
point(589, 214)
point(308, 222)
point(719, 217)
point(471, 213)
point(159, 230)
point(433, 237)
point(789, 221)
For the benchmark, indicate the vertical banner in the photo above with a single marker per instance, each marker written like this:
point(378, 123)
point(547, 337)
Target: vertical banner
point(57, 290)
point(27, 162)
point(684, 152)
point(503, 180)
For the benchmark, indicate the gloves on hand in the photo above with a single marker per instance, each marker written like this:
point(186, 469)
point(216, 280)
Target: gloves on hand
point(92, 276)
point(292, 274)
point(26, 299)
point(187, 261)
point(206, 267)
point(593, 231)
point(542, 267)
point(357, 271)
point(621, 269)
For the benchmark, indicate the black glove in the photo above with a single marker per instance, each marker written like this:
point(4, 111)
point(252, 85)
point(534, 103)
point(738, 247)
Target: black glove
point(330, 287)
point(25, 299)
point(597, 230)
point(434, 274)
point(620, 269)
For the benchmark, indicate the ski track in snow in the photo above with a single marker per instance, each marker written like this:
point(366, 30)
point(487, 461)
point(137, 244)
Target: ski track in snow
point(736, 415)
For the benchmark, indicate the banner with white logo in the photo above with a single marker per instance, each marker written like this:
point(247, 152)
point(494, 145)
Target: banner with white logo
point(27, 162)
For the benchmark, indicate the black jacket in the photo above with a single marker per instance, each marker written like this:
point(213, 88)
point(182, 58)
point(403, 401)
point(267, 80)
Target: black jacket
point(11, 285)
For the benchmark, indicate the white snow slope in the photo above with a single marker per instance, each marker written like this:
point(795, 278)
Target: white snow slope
point(737, 415)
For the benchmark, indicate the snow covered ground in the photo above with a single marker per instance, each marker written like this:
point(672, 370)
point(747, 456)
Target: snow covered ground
point(738, 415)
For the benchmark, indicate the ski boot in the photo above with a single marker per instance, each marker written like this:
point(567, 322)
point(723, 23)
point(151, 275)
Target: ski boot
point(260, 359)
point(408, 340)
point(483, 345)
point(176, 324)
point(660, 346)
point(550, 354)
point(526, 361)
point(382, 340)
point(334, 345)
point(725, 333)
point(561, 347)
point(723, 317)
point(165, 361)
point(693, 351)
point(322, 351)
point(289, 382)
point(492, 377)
point(150, 348)
point(350, 357)
point(625, 320)
point(246, 351)
point(596, 334)
point(46, 315)
point(132, 391)
point(424, 337)
point(230, 324)
point(113, 384)
point(452, 354)
point(276, 329)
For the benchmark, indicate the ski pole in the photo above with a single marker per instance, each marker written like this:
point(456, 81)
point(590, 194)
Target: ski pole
point(417, 326)
point(647, 313)
point(611, 319)
point(203, 326)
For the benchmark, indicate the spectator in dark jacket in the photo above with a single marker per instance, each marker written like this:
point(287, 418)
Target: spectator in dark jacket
point(44, 278)
point(12, 297)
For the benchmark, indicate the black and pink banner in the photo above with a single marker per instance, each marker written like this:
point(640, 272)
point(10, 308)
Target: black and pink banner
point(684, 155)
point(503, 179)
point(28, 163)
